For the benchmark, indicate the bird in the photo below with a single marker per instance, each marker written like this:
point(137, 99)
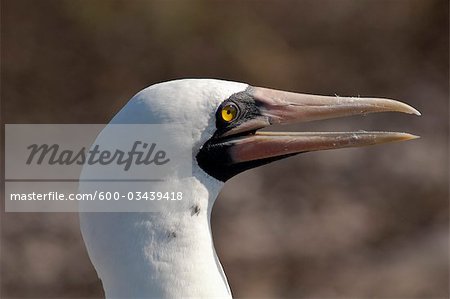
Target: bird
point(171, 254)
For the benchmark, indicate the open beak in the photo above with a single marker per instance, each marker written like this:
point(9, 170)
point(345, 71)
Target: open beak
point(280, 107)
point(239, 145)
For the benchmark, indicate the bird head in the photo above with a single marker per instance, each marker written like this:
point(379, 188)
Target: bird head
point(223, 120)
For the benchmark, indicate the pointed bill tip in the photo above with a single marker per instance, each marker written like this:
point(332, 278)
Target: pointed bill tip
point(411, 110)
point(394, 105)
point(406, 136)
point(385, 137)
point(417, 112)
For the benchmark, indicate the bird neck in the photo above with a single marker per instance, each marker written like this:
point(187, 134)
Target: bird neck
point(158, 255)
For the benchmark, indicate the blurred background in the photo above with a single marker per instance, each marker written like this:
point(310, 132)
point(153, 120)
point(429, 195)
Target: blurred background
point(359, 223)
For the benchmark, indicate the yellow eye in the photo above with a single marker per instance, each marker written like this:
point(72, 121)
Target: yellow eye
point(229, 112)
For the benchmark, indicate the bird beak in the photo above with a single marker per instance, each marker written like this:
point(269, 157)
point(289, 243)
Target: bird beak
point(239, 146)
point(280, 107)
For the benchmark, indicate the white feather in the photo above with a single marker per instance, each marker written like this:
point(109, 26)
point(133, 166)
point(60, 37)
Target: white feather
point(131, 252)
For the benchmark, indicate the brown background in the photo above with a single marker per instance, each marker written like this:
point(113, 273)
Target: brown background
point(362, 223)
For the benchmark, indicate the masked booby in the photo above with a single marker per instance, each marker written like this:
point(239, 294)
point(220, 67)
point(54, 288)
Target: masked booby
point(172, 255)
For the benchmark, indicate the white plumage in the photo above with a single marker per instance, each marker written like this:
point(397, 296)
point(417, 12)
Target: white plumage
point(132, 253)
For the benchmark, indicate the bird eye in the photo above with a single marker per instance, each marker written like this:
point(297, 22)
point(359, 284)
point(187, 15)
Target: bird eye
point(229, 112)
